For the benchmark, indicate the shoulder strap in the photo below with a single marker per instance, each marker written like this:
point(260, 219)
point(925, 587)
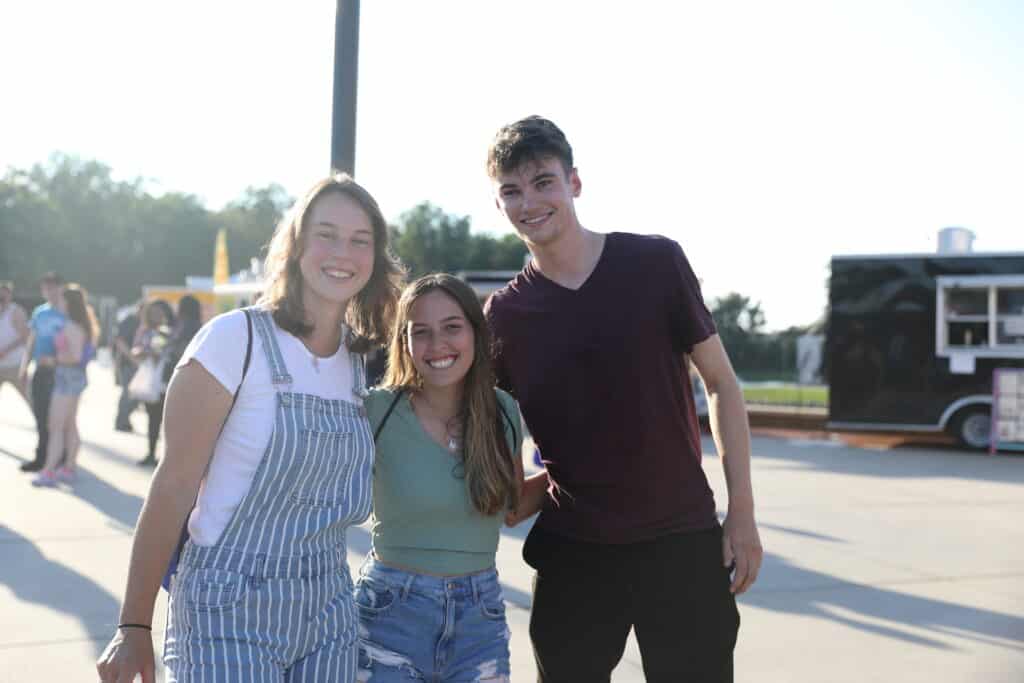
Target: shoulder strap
point(391, 408)
point(515, 434)
point(398, 395)
point(173, 566)
point(245, 365)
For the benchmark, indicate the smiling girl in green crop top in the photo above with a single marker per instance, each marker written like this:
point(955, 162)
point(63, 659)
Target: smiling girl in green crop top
point(447, 469)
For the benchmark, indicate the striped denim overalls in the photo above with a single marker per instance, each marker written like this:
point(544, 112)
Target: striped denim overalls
point(272, 600)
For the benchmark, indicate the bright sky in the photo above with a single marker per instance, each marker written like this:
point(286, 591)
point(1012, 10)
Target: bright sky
point(763, 136)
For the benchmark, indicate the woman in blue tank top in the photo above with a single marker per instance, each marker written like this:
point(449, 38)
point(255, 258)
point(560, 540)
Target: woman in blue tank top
point(447, 470)
point(75, 348)
point(268, 598)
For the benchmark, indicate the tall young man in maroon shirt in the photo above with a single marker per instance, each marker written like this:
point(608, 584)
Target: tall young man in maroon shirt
point(592, 338)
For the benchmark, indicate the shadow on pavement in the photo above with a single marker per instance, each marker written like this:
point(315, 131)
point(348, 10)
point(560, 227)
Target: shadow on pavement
point(862, 607)
point(119, 456)
point(839, 458)
point(13, 456)
point(34, 578)
point(117, 505)
point(796, 532)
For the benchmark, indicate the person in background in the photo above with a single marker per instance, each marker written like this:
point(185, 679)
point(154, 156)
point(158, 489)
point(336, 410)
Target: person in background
point(187, 322)
point(591, 338)
point(75, 347)
point(46, 321)
point(446, 472)
point(14, 333)
point(151, 341)
point(170, 320)
point(271, 482)
point(125, 366)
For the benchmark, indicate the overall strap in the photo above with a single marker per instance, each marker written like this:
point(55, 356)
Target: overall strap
point(265, 327)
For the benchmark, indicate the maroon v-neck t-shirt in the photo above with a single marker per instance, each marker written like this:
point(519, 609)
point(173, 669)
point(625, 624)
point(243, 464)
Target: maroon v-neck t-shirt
point(600, 378)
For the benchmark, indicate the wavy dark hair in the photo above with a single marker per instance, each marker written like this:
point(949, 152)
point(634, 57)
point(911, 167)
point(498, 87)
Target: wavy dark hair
point(189, 317)
point(370, 312)
point(486, 458)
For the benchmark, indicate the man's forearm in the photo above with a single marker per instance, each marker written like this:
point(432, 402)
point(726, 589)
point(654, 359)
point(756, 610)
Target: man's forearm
point(727, 414)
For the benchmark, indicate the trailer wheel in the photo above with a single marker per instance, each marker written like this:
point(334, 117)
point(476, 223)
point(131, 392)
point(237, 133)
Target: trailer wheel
point(972, 427)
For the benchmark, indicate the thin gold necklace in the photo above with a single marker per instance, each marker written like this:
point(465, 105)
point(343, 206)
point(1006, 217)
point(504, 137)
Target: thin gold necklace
point(452, 434)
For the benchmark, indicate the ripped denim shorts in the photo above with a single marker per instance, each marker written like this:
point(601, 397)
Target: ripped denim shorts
point(417, 627)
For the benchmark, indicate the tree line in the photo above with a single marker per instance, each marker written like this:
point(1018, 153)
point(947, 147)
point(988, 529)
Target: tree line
point(70, 215)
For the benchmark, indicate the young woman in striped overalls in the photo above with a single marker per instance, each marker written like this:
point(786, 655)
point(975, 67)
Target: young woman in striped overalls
point(447, 471)
point(270, 461)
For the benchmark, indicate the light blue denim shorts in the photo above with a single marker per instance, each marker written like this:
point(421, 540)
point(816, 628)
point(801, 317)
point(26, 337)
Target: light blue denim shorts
point(69, 379)
point(417, 627)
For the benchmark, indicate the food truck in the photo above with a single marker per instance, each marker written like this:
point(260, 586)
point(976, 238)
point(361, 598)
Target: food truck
point(913, 341)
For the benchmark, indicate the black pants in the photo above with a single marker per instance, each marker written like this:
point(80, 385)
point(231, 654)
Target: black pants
point(41, 393)
point(126, 404)
point(673, 591)
point(155, 411)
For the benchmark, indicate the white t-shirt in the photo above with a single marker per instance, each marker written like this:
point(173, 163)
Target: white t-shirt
point(9, 333)
point(220, 348)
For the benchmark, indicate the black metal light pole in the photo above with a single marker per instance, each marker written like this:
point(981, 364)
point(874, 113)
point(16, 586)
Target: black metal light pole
point(346, 74)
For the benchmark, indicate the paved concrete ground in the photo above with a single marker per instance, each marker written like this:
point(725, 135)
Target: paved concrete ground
point(881, 565)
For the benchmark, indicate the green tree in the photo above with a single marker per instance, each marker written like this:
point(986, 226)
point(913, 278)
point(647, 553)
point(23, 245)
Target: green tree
point(431, 240)
point(250, 221)
point(70, 215)
point(739, 324)
point(427, 240)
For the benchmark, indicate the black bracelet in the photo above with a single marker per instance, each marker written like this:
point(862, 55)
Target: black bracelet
point(148, 628)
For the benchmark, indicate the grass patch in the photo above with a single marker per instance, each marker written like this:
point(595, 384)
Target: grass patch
point(788, 395)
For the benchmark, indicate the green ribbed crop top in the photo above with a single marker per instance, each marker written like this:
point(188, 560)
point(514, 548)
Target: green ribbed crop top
point(423, 519)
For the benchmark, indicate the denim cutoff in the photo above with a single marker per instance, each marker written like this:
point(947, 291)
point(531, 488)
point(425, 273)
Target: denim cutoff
point(69, 379)
point(418, 627)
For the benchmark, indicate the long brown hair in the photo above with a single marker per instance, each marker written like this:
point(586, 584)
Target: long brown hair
point(486, 458)
point(80, 311)
point(370, 312)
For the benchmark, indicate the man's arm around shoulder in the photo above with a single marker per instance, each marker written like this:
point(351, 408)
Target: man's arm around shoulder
point(728, 416)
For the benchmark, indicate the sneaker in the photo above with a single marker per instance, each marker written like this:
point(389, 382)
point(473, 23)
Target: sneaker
point(148, 461)
point(45, 478)
point(124, 428)
point(31, 466)
point(66, 475)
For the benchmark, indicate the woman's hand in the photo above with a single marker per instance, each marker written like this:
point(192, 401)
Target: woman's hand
point(129, 652)
point(531, 499)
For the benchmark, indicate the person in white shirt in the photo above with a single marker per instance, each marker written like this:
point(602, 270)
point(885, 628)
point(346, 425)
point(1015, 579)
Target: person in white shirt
point(271, 479)
point(13, 335)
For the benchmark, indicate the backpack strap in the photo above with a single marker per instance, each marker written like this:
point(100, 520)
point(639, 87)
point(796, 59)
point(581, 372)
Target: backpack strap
point(172, 566)
point(245, 365)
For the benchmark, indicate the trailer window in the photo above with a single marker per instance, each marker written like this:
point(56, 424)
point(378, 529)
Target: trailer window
point(980, 315)
point(963, 302)
point(1010, 316)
